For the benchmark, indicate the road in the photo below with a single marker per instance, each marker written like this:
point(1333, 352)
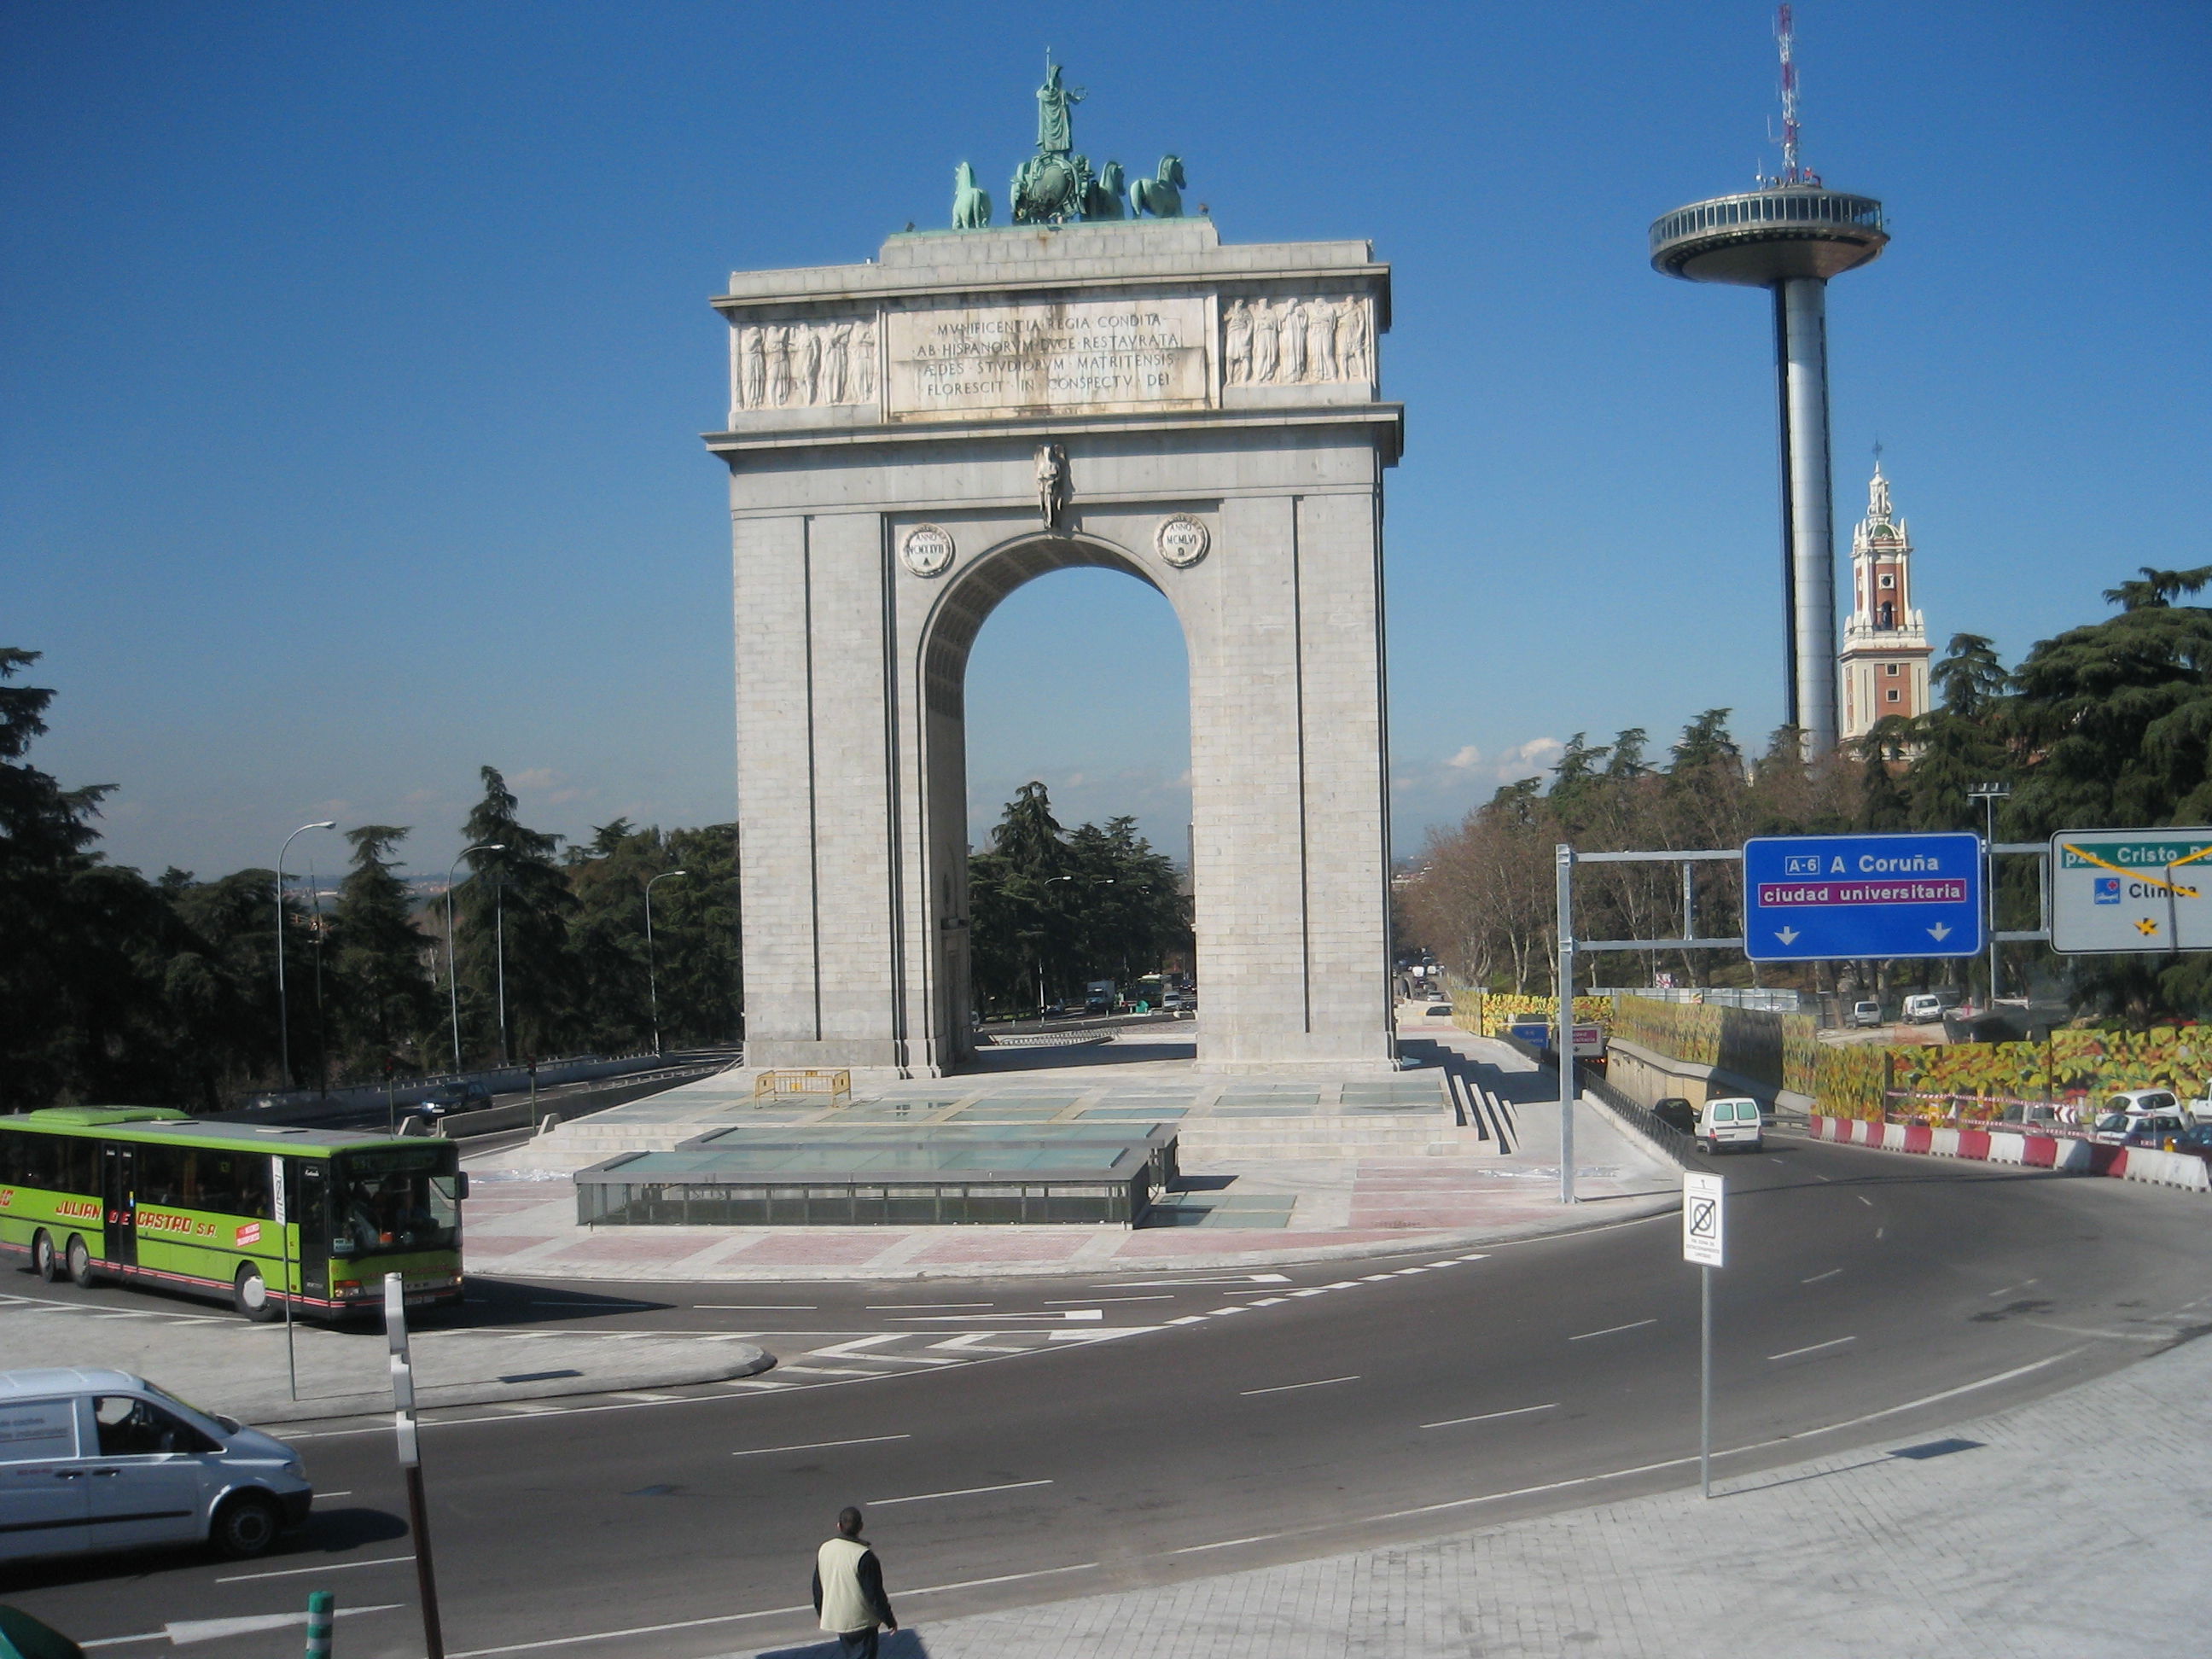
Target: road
point(1870, 1298)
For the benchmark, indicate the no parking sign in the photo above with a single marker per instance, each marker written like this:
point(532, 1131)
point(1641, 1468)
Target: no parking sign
point(1704, 1220)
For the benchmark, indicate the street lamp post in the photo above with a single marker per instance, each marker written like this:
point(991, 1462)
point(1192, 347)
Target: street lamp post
point(499, 938)
point(1990, 794)
point(652, 980)
point(453, 985)
point(283, 1012)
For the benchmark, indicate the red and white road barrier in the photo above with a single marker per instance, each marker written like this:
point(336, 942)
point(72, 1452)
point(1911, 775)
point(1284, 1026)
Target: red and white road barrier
point(2033, 1151)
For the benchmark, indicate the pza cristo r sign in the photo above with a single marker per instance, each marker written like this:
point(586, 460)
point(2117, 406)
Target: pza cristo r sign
point(2114, 890)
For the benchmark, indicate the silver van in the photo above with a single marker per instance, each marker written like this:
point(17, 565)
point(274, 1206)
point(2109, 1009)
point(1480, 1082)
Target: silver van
point(98, 1460)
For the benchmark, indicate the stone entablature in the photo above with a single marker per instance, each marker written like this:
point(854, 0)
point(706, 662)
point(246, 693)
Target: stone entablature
point(1151, 317)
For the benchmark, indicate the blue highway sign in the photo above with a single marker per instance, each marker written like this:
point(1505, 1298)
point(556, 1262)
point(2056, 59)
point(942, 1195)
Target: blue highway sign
point(1813, 898)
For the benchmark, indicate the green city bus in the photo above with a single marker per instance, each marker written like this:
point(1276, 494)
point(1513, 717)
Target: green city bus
point(150, 1195)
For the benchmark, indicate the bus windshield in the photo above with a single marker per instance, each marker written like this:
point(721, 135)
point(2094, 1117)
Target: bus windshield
point(393, 1200)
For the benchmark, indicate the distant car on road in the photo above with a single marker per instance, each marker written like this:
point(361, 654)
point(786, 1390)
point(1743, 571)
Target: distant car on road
point(2140, 1129)
point(451, 1097)
point(1865, 1014)
point(1676, 1112)
point(1923, 1008)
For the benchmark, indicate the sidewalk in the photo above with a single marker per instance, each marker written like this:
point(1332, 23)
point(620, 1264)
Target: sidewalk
point(2079, 1526)
point(219, 1361)
point(1246, 1203)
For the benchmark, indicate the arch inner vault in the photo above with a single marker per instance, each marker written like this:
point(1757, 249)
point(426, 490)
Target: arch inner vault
point(911, 440)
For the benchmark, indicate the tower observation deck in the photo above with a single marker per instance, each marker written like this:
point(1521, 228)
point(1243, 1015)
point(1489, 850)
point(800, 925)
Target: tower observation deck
point(1790, 236)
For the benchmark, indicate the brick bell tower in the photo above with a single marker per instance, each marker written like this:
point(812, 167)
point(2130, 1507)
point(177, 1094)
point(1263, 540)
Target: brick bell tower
point(1884, 663)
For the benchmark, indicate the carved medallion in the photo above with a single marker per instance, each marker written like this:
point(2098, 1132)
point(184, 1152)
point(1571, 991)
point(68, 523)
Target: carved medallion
point(927, 551)
point(1182, 541)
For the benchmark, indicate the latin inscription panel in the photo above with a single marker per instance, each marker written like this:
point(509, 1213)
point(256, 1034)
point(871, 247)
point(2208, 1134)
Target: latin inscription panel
point(1099, 356)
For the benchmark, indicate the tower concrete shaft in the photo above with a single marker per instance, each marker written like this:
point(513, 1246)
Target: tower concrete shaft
point(1808, 550)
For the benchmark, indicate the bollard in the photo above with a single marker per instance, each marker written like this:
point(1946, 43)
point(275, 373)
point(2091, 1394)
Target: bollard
point(322, 1615)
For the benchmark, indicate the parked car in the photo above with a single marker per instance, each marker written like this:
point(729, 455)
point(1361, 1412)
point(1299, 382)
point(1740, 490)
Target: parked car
point(2140, 1129)
point(2196, 1140)
point(2136, 1103)
point(451, 1097)
point(102, 1459)
point(1676, 1112)
point(1865, 1014)
point(1734, 1125)
point(1923, 1008)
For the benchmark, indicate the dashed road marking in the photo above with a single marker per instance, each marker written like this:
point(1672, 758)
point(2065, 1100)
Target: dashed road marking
point(1285, 1388)
point(1614, 1330)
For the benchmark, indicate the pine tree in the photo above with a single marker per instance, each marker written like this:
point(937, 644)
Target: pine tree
point(384, 996)
point(512, 926)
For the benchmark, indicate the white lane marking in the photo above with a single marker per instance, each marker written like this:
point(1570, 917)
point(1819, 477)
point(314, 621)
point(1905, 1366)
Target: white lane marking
point(1171, 1284)
point(1226, 1543)
point(1370, 1279)
point(1216, 1313)
point(957, 1491)
point(1491, 1417)
point(978, 1319)
point(1189, 1319)
point(1793, 1354)
point(1479, 1256)
point(1878, 1231)
point(1284, 1387)
point(1267, 1302)
point(210, 1630)
point(303, 1572)
point(1817, 1278)
point(821, 1445)
point(347, 1493)
point(1864, 1199)
point(1448, 1261)
point(1817, 1175)
point(1612, 1330)
point(1062, 1301)
point(585, 1302)
point(2113, 1336)
point(965, 1583)
point(824, 1370)
point(1403, 1271)
point(748, 1307)
point(896, 1306)
point(2022, 1285)
point(638, 1629)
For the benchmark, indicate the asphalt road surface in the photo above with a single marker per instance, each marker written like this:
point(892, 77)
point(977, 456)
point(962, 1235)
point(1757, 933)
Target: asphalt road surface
point(1203, 1423)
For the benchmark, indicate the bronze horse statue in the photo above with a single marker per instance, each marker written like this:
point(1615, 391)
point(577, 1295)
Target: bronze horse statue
point(1162, 195)
point(971, 202)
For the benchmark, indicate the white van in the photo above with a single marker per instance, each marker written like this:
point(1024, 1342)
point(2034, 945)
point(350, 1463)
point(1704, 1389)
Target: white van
point(1730, 1124)
point(98, 1460)
point(1923, 1008)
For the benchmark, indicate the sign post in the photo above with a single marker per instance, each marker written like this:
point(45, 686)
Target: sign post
point(1820, 898)
point(282, 1214)
point(410, 1460)
point(1704, 1231)
point(2130, 890)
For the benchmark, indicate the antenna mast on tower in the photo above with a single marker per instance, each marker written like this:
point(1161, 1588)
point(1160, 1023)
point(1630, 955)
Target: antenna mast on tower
point(1785, 34)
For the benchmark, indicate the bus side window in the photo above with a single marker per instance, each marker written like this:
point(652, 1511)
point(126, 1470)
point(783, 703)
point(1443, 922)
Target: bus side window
point(11, 1158)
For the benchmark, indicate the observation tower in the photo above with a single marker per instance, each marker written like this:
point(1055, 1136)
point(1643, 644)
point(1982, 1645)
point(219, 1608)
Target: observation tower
point(1789, 235)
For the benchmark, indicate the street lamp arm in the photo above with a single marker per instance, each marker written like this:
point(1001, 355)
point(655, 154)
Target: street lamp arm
point(652, 976)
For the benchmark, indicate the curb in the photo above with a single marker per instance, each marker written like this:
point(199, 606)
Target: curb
point(738, 1359)
point(2064, 1154)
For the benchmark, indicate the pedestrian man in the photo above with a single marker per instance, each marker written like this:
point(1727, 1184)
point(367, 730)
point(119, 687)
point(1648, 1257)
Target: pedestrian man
point(849, 1589)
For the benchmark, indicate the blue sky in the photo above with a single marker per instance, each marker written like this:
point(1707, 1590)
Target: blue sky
point(353, 359)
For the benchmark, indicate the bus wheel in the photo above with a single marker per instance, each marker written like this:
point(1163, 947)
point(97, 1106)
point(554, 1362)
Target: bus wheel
point(79, 1264)
point(44, 1260)
point(249, 1294)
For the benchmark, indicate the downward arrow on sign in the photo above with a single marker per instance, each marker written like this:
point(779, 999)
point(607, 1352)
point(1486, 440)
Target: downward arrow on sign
point(1787, 935)
point(1941, 931)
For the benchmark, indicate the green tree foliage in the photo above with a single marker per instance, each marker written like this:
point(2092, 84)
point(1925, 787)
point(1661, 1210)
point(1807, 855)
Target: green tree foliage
point(694, 956)
point(386, 1004)
point(511, 935)
point(1051, 909)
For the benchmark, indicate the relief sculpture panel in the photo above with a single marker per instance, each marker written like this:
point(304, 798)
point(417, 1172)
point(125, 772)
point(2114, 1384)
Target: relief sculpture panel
point(1296, 342)
point(804, 365)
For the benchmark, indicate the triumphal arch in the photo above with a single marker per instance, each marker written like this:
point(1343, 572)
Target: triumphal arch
point(1102, 382)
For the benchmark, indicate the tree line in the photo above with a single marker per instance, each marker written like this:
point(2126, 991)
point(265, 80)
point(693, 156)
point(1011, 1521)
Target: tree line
point(119, 988)
point(1051, 909)
point(2106, 725)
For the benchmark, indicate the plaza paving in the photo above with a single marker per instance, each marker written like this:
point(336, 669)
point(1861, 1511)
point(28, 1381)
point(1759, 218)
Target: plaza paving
point(1292, 1167)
